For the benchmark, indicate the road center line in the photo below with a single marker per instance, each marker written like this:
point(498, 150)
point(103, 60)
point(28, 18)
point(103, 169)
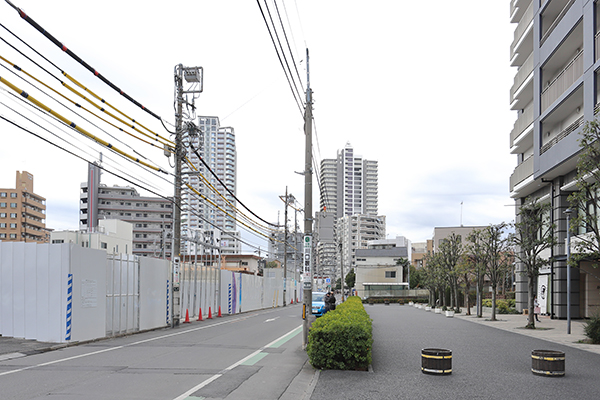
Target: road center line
point(291, 334)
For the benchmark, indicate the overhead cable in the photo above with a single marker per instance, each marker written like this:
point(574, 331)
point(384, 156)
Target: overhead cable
point(74, 126)
point(79, 60)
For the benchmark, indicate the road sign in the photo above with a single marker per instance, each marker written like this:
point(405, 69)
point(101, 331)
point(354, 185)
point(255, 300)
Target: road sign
point(306, 271)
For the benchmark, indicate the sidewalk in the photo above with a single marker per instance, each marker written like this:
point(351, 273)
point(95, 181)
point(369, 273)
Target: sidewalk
point(552, 330)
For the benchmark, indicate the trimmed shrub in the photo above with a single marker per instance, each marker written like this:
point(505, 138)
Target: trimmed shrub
point(592, 328)
point(342, 339)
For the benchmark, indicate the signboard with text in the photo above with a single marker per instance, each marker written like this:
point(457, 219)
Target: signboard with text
point(306, 270)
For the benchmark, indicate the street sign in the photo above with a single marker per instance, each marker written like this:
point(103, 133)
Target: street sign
point(306, 272)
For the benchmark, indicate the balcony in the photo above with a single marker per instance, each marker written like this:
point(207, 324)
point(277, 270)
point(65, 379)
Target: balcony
point(563, 81)
point(563, 134)
point(552, 15)
point(522, 172)
point(522, 125)
point(524, 74)
point(522, 32)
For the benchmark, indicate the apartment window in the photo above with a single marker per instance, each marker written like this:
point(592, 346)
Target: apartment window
point(2, 235)
point(13, 236)
point(3, 194)
point(13, 226)
point(2, 224)
point(390, 274)
point(3, 205)
point(13, 215)
point(54, 241)
point(13, 195)
point(2, 215)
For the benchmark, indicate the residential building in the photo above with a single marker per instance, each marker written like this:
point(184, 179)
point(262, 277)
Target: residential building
point(22, 212)
point(113, 235)
point(356, 231)
point(349, 192)
point(419, 253)
point(213, 215)
point(377, 270)
point(442, 233)
point(151, 217)
point(276, 249)
point(555, 91)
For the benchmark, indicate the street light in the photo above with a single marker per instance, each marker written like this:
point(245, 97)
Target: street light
point(568, 212)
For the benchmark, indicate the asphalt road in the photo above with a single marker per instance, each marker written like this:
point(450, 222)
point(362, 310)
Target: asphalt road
point(488, 363)
point(250, 356)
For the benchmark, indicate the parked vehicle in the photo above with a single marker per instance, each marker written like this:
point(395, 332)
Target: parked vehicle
point(318, 303)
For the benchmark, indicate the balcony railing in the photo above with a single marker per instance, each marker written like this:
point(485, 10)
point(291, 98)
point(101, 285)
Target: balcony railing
point(522, 26)
point(563, 81)
point(522, 172)
point(597, 46)
point(563, 134)
point(525, 119)
point(525, 70)
point(558, 18)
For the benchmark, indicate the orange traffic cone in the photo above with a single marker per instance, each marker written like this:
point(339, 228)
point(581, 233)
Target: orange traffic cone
point(187, 317)
point(209, 314)
point(200, 314)
point(219, 315)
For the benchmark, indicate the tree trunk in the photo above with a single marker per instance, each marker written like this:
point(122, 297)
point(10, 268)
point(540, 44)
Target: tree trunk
point(530, 317)
point(493, 303)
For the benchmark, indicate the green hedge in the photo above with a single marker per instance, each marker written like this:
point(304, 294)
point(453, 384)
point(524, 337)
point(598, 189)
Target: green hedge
point(342, 339)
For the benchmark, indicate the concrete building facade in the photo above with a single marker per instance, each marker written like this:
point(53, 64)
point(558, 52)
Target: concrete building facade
point(555, 91)
point(22, 212)
point(112, 235)
point(151, 217)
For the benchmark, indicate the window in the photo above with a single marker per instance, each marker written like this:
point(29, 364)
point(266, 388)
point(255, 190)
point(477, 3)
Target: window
point(390, 274)
point(103, 245)
point(2, 235)
point(13, 235)
point(3, 205)
point(13, 195)
point(2, 224)
point(2, 215)
point(3, 194)
point(58, 241)
point(13, 215)
point(14, 226)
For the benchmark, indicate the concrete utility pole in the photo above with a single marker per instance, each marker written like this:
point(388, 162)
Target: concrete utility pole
point(285, 241)
point(193, 75)
point(175, 253)
point(308, 220)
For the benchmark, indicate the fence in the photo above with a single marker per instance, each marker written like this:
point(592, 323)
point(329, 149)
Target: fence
point(62, 292)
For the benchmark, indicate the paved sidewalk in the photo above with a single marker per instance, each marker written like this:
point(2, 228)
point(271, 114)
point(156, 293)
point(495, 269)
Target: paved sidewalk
point(552, 330)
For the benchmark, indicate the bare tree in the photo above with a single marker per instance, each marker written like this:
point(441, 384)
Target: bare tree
point(498, 257)
point(450, 253)
point(532, 236)
point(477, 257)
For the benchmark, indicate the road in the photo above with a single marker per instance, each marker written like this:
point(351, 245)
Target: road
point(253, 355)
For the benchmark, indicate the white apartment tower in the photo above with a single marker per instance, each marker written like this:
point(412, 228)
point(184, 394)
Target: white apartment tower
point(349, 190)
point(349, 184)
point(210, 215)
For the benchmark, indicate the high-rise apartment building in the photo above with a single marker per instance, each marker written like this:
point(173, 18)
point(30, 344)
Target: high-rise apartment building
point(151, 217)
point(349, 184)
point(349, 191)
point(212, 218)
point(22, 212)
point(555, 91)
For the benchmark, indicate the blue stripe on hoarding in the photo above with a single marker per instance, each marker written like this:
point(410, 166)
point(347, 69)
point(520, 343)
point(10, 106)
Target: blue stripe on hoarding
point(69, 305)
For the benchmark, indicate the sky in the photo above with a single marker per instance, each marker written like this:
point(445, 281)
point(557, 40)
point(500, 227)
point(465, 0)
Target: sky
point(421, 87)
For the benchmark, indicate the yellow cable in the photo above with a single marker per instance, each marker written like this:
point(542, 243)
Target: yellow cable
point(73, 125)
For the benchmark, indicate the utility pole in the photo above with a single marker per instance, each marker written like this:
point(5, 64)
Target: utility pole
point(176, 295)
point(308, 220)
point(193, 75)
point(285, 241)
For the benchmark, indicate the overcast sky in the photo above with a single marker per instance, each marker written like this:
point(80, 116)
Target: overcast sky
point(421, 87)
